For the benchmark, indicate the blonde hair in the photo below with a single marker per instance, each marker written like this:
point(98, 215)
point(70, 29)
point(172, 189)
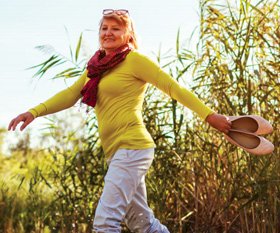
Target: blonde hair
point(127, 23)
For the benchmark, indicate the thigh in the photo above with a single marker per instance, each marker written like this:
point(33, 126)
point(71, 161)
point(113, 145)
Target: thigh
point(126, 170)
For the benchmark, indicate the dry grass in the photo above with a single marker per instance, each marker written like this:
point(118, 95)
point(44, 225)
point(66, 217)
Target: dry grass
point(198, 182)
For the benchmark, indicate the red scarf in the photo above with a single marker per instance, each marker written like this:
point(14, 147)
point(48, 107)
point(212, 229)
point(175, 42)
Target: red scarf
point(97, 65)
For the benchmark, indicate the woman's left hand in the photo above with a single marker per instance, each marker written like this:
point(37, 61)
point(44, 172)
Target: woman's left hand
point(219, 122)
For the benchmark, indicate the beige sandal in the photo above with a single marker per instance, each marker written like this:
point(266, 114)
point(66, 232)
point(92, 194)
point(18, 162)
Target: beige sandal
point(251, 143)
point(251, 123)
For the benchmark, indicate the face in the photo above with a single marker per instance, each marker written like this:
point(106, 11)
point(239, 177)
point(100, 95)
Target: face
point(112, 35)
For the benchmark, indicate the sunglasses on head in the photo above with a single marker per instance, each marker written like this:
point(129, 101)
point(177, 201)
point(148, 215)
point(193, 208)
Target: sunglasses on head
point(118, 12)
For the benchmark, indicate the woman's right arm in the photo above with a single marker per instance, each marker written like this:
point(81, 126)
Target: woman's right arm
point(60, 101)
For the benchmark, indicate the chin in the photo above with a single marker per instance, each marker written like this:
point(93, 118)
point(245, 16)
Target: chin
point(109, 46)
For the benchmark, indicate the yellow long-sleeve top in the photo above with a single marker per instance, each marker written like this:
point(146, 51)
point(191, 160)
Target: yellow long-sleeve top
point(119, 102)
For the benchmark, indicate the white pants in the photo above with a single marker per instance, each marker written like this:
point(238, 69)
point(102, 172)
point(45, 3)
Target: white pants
point(124, 196)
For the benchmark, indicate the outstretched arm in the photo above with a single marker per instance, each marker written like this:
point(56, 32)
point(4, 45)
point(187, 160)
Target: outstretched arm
point(62, 100)
point(150, 72)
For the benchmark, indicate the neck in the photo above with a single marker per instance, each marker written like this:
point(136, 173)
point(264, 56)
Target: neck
point(109, 51)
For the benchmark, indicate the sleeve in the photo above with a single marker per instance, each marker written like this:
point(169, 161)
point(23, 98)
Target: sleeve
point(150, 72)
point(62, 100)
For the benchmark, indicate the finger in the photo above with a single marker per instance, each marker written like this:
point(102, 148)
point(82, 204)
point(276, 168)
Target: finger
point(16, 122)
point(25, 123)
point(11, 124)
point(227, 127)
point(225, 131)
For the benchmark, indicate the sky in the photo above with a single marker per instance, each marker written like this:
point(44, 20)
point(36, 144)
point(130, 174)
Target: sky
point(25, 24)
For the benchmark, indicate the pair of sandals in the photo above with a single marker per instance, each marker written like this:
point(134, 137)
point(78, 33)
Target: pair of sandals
point(245, 131)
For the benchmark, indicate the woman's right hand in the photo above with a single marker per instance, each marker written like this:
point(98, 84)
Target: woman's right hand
point(26, 118)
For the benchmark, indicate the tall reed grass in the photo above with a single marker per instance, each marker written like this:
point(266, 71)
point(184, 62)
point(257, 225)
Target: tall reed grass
point(197, 182)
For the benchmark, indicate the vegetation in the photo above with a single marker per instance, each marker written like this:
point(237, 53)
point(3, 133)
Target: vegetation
point(197, 182)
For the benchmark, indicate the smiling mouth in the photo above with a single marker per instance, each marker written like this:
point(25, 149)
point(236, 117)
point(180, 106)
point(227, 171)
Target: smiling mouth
point(108, 39)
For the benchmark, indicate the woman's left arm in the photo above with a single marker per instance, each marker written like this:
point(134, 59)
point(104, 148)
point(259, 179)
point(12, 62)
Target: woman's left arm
point(147, 70)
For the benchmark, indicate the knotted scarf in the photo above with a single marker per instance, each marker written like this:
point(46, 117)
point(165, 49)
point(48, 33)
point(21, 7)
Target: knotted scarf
point(97, 65)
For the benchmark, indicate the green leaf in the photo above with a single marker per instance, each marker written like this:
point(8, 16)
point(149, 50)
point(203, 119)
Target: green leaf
point(78, 47)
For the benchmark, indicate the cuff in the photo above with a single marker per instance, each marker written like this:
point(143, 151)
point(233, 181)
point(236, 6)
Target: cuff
point(38, 110)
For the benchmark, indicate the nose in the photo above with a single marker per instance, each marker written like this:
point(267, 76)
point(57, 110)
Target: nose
point(108, 32)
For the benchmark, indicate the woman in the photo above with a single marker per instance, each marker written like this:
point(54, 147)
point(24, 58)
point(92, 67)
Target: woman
point(114, 83)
